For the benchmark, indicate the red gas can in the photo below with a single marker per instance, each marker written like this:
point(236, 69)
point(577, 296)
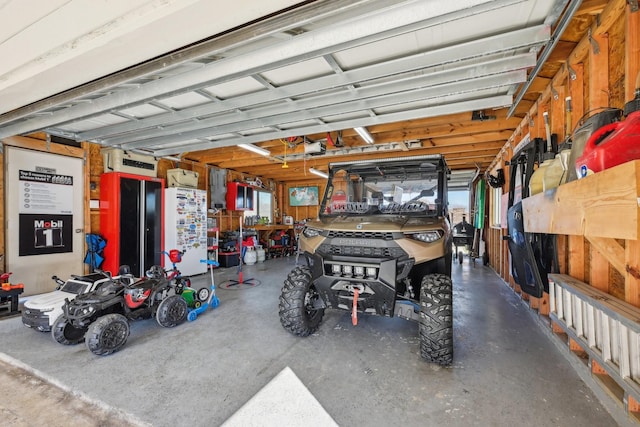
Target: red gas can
point(611, 145)
point(614, 143)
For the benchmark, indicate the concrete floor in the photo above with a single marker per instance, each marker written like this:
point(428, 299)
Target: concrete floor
point(506, 370)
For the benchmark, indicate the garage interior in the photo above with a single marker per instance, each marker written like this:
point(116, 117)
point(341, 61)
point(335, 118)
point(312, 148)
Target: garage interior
point(263, 96)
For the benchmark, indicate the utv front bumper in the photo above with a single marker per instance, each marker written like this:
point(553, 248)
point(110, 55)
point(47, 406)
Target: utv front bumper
point(336, 278)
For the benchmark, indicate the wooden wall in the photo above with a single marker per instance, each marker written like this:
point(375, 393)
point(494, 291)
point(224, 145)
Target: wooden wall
point(604, 77)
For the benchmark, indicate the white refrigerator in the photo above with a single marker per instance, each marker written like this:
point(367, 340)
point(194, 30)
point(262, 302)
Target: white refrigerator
point(185, 228)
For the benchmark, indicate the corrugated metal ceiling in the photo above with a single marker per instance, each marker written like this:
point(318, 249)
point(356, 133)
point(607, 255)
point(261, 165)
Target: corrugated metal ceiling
point(324, 66)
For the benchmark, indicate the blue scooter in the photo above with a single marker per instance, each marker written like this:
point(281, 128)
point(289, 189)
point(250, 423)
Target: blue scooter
point(213, 301)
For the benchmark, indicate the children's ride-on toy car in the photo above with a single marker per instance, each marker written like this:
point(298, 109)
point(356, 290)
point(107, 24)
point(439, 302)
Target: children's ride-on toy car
point(41, 311)
point(102, 317)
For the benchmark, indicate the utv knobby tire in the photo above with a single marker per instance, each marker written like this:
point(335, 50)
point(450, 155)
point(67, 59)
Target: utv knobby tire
point(297, 314)
point(436, 319)
point(65, 333)
point(172, 311)
point(107, 334)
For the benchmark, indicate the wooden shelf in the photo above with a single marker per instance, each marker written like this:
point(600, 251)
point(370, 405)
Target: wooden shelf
point(605, 204)
point(272, 227)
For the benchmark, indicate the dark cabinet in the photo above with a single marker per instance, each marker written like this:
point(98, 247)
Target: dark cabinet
point(239, 196)
point(131, 221)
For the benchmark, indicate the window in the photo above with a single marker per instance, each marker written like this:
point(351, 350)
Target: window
point(263, 205)
point(459, 206)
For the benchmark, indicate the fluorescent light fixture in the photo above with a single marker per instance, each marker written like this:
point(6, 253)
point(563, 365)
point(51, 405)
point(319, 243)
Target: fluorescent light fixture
point(255, 149)
point(364, 134)
point(319, 173)
point(173, 158)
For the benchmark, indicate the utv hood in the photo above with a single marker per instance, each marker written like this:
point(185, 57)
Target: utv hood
point(386, 223)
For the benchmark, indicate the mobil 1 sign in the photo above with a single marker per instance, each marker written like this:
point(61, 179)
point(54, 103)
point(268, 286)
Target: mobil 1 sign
point(45, 212)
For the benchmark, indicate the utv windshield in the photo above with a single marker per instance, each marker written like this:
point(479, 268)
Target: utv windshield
point(385, 188)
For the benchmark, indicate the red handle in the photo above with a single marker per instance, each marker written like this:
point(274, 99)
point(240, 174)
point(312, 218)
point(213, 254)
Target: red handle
point(600, 134)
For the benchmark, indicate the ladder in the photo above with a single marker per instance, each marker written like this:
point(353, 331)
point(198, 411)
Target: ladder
point(606, 328)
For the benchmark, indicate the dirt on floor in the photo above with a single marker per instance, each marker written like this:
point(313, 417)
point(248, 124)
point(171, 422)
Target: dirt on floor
point(29, 399)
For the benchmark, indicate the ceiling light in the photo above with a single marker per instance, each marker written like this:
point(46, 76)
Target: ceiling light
point(255, 149)
point(172, 158)
point(319, 173)
point(364, 134)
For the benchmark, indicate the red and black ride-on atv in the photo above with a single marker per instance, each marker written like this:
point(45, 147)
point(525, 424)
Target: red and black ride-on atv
point(101, 318)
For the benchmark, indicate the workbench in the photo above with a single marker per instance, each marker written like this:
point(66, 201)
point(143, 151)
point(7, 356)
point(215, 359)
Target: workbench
point(265, 235)
point(9, 302)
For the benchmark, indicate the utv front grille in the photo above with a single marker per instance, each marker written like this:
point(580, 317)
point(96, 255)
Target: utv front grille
point(360, 235)
point(361, 251)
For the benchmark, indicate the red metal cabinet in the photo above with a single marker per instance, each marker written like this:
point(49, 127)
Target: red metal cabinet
point(132, 221)
point(239, 196)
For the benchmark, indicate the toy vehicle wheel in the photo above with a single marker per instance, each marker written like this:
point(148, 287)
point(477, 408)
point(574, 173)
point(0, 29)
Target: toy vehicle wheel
point(107, 334)
point(65, 333)
point(299, 309)
point(203, 294)
point(436, 319)
point(197, 304)
point(172, 311)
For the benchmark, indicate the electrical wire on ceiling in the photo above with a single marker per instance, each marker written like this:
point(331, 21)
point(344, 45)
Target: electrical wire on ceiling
point(285, 165)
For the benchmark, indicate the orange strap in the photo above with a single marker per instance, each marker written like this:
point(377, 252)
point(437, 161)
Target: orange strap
point(354, 310)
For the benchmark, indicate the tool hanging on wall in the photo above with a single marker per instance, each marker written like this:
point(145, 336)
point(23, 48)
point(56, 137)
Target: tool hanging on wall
point(568, 110)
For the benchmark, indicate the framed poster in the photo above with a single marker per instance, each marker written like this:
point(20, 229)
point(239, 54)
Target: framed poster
point(45, 212)
point(303, 196)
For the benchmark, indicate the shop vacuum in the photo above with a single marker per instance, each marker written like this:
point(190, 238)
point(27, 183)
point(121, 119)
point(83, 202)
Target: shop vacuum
point(614, 143)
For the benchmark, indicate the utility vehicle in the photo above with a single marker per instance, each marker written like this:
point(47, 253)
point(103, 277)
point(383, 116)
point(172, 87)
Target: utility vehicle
point(383, 246)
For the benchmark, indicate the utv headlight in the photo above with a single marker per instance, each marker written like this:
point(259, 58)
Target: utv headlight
point(310, 232)
point(426, 236)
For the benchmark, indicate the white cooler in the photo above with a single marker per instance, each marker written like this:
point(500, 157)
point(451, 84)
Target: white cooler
point(182, 178)
point(118, 160)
